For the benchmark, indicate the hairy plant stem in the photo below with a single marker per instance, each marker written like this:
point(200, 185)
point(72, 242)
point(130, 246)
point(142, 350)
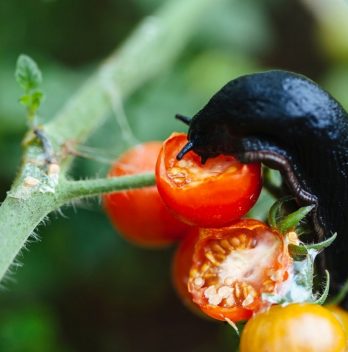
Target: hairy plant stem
point(72, 190)
point(40, 187)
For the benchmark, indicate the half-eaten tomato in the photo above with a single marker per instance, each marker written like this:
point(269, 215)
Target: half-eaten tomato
point(181, 267)
point(140, 214)
point(232, 267)
point(213, 194)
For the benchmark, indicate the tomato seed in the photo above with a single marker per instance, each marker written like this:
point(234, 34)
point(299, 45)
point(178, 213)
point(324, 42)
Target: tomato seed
point(199, 282)
point(229, 281)
point(212, 258)
point(248, 300)
point(217, 248)
point(235, 241)
point(225, 291)
point(226, 245)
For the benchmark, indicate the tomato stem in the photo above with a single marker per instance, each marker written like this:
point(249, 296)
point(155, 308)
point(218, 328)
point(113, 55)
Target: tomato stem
point(340, 296)
point(88, 188)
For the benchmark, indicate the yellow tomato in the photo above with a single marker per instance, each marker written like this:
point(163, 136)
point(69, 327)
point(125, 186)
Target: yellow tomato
point(296, 327)
point(342, 317)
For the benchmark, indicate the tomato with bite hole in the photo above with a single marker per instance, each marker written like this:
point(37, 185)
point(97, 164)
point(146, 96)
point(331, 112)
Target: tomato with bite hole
point(231, 267)
point(213, 194)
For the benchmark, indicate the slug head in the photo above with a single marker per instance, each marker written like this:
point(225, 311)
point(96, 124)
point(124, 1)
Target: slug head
point(207, 138)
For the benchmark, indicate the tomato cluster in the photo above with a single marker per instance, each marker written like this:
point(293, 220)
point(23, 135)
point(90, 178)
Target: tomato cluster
point(225, 266)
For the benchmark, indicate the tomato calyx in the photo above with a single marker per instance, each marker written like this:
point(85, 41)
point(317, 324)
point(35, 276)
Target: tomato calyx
point(299, 287)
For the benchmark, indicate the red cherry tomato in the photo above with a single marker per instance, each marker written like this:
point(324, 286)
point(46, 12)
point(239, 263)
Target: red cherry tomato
point(140, 215)
point(182, 263)
point(297, 327)
point(211, 195)
point(226, 270)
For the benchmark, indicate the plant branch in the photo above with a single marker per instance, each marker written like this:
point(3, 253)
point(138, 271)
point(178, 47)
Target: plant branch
point(40, 188)
point(149, 51)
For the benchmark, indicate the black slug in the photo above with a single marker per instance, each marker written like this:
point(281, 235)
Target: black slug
point(289, 123)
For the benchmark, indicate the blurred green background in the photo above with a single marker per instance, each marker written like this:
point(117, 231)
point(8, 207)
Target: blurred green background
point(82, 287)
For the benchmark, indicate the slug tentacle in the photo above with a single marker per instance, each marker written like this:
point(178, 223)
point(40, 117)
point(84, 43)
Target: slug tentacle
point(185, 119)
point(187, 147)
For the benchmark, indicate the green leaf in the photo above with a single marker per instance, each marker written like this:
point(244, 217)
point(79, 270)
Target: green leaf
point(36, 99)
point(28, 74)
point(25, 100)
point(292, 220)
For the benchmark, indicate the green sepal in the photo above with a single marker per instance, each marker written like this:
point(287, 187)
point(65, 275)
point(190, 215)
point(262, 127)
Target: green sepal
point(293, 219)
point(275, 212)
point(321, 300)
point(302, 249)
point(303, 229)
point(28, 74)
point(323, 244)
point(297, 250)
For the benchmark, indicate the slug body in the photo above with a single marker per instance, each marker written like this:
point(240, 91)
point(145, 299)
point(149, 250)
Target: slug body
point(289, 123)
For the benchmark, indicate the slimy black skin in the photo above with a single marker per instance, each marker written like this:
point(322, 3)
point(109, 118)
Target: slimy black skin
point(287, 122)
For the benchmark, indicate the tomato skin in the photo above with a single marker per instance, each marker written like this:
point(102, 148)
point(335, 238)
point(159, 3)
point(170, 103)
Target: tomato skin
point(191, 258)
point(182, 262)
point(342, 316)
point(294, 328)
point(140, 214)
point(211, 201)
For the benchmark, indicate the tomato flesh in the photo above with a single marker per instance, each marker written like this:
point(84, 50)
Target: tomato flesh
point(213, 194)
point(140, 214)
point(233, 266)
